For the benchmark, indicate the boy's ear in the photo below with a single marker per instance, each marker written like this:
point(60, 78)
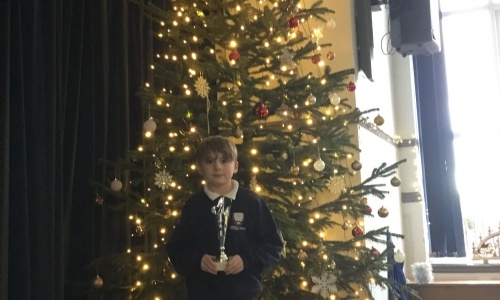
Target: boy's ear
point(236, 167)
point(198, 169)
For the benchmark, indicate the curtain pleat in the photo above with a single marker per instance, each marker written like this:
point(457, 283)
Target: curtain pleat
point(4, 143)
point(436, 143)
point(69, 73)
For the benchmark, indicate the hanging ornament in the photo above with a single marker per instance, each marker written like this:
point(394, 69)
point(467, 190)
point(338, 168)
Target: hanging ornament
point(368, 210)
point(374, 253)
point(331, 24)
point(318, 33)
point(238, 133)
point(149, 126)
point(139, 230)
point(311, 100)
point(330, 55)
point(234, 55)
point(316, 59)
point(334, 98)
point(157, 162)
point(379, 120)
point(163, 179)
point(286, 58)
point(335, 183)
point(395, 181)
point(202, 87)
point(116, 185)
point(319, 165)
point(284, 155)
point(284, 111)
point(253, 183)
point(383, 212)
point(356, 231)
point(98, 282)
point(99, 200)
point(302, 255)
point(399, 256)
point(351, 86)
point(261, 111)
point(293, 22)
point(294, 169)
point(356, 165)
point(324, 285)
point(345, 226)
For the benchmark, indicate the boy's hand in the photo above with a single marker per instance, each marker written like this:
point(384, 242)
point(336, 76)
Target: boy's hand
point(234, 265)
point(208, 264)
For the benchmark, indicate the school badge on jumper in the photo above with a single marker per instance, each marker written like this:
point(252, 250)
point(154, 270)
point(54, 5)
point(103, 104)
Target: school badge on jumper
point(238, 219)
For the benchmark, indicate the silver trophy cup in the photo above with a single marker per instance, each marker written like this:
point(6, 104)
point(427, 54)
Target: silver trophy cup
point(221, 211)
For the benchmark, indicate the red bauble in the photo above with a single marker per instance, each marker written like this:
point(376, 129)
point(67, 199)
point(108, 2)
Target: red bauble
point(316, 58)
point(357, 231)
point(330, 55)
point(368, 210)
point(262, 111)
point(234, 55)
point(293, 22)
point(351, 86)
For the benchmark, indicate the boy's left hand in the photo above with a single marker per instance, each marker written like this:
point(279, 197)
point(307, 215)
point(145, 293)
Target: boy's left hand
point(234, 265)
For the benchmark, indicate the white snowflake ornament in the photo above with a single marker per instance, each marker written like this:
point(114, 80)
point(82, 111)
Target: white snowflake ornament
point(324, 285)
point(335, 183)
point(201, 86)
point(163, 179)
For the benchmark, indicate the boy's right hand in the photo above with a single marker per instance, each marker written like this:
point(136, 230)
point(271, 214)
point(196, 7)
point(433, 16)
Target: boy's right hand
point(208, 264)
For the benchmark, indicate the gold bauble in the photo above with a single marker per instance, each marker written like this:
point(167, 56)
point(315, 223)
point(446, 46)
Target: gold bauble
point(98, 282)
point(294, 169)
point(395, 181)
point(379, 120)
point(356, 165)
point(383, 212)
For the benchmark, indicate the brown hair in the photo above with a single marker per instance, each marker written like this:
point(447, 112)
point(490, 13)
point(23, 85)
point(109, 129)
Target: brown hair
point(216, 144)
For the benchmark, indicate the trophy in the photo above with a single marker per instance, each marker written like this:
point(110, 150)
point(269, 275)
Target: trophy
point(221, 211)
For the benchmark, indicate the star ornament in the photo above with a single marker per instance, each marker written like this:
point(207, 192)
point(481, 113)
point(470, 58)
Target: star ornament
point(286, 58)
point(324, 284)
point(201, 86)
point(163, 179)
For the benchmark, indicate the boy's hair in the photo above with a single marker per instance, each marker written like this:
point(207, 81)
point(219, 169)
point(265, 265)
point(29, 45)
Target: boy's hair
point(216, 144)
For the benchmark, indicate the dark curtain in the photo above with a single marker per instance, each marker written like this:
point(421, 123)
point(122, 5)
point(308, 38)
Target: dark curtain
point(69, 70)
point(436, 143)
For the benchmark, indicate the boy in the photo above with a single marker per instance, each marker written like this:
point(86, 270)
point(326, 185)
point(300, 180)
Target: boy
point(252, 242)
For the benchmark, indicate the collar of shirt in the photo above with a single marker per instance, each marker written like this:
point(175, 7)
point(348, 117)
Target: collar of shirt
point(231, 194)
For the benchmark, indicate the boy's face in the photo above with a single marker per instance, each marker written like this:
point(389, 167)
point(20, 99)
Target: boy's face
point(217, 172)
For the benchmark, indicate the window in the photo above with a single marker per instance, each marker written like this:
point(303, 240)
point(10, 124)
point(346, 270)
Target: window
point(470, 32)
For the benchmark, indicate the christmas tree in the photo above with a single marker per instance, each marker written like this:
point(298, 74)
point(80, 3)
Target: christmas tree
point(240, 69)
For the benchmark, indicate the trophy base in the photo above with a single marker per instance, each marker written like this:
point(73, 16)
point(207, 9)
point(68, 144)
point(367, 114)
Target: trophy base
point(221, 265)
